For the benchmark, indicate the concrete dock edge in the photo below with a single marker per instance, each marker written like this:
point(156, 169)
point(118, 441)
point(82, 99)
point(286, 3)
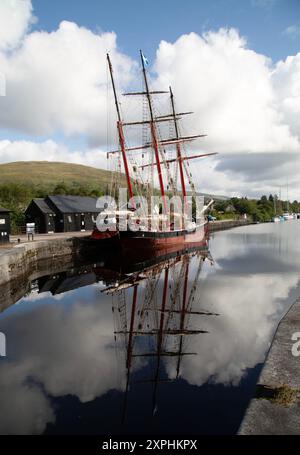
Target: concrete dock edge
point(275, 408)
point(17, 261)
point(221, 225)
point(23, 258)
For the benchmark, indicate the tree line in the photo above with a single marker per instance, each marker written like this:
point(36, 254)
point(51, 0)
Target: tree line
point(263, 209)
point(17, 196)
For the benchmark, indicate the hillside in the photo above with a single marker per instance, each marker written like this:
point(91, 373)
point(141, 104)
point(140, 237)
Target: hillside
point(50, 174)
point(47, 175)
point(22, 181)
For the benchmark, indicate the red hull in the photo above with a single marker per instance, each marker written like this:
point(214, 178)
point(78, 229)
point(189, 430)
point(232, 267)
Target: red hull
point(148, 244)
point(161, 245)
point(103, 236)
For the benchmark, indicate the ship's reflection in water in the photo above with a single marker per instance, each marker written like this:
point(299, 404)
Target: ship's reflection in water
point(173, 346)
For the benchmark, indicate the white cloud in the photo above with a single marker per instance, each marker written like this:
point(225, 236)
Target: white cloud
point(26, 408)
point(226, 362)
point(230, 89)
point(58, 81)
point(79, 360)
point(49, 150)
point(70, 348)
point(15, 19)
point(248, 105)
point(230, 288)
point(293, 31)
point(286, 82)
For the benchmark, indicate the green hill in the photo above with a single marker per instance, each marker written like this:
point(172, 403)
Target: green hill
point(22, 181)
point(50, 174)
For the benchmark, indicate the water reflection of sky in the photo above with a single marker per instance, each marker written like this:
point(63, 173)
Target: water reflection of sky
point(64, 374)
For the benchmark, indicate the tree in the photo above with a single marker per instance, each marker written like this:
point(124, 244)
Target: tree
point(264, 199)
point(60, 189)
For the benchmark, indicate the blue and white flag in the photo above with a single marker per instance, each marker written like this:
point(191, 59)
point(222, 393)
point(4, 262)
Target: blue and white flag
point(145, 60)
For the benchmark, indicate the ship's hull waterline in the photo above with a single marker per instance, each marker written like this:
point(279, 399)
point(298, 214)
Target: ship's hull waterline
point(151, 243)
point(141, 187)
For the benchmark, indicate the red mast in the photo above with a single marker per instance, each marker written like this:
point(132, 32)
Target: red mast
point(129, 350)
point(120, 130)
point(183, 312)
point(178, 148)
point(153, 131)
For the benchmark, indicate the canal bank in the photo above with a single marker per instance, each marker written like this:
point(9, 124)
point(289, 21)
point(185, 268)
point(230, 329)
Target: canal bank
point(64, 324)
point(22, 260)
point(222, 225)
point(19, 261)
point(275, 408)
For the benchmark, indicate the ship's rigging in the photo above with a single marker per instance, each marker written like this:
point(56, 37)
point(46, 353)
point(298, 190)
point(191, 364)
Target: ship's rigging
point(161, 300)
point(157, 159)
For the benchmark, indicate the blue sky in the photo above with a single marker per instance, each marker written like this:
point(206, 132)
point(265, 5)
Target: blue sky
point(143, 24)
point(140, 23)
point(239, 72)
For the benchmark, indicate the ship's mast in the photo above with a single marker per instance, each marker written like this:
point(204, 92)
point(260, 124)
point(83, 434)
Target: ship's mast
point(120, 130)
point(160, 338)
point(183, 313)
point(155, 141)
point(162, 328)
point(129, 350)
point(178, 148)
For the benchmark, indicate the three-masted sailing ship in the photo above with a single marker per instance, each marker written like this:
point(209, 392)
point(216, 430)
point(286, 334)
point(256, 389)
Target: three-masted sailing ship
point(167, 164)
point(157, 310)
point(158, 313)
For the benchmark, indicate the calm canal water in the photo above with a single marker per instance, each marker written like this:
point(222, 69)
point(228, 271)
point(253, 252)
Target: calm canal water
point(179, 352)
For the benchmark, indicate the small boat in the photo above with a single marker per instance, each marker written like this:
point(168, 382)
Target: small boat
point(288, 216)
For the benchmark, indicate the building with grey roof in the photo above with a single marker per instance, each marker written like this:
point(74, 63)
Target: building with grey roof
point(62, 213)
point(4, 225)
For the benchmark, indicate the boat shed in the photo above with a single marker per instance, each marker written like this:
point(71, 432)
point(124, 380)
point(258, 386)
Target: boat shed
point(4, 225)
point(62, 213)
point(42, 215)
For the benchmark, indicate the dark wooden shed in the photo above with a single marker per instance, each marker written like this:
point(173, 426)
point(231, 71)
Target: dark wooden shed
point(4, 225)
point(42, 215)
point(62, 213)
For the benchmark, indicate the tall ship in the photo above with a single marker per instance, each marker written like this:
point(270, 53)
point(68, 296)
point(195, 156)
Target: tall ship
point(155, 169)
point(159, 316)
point(157, 312)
